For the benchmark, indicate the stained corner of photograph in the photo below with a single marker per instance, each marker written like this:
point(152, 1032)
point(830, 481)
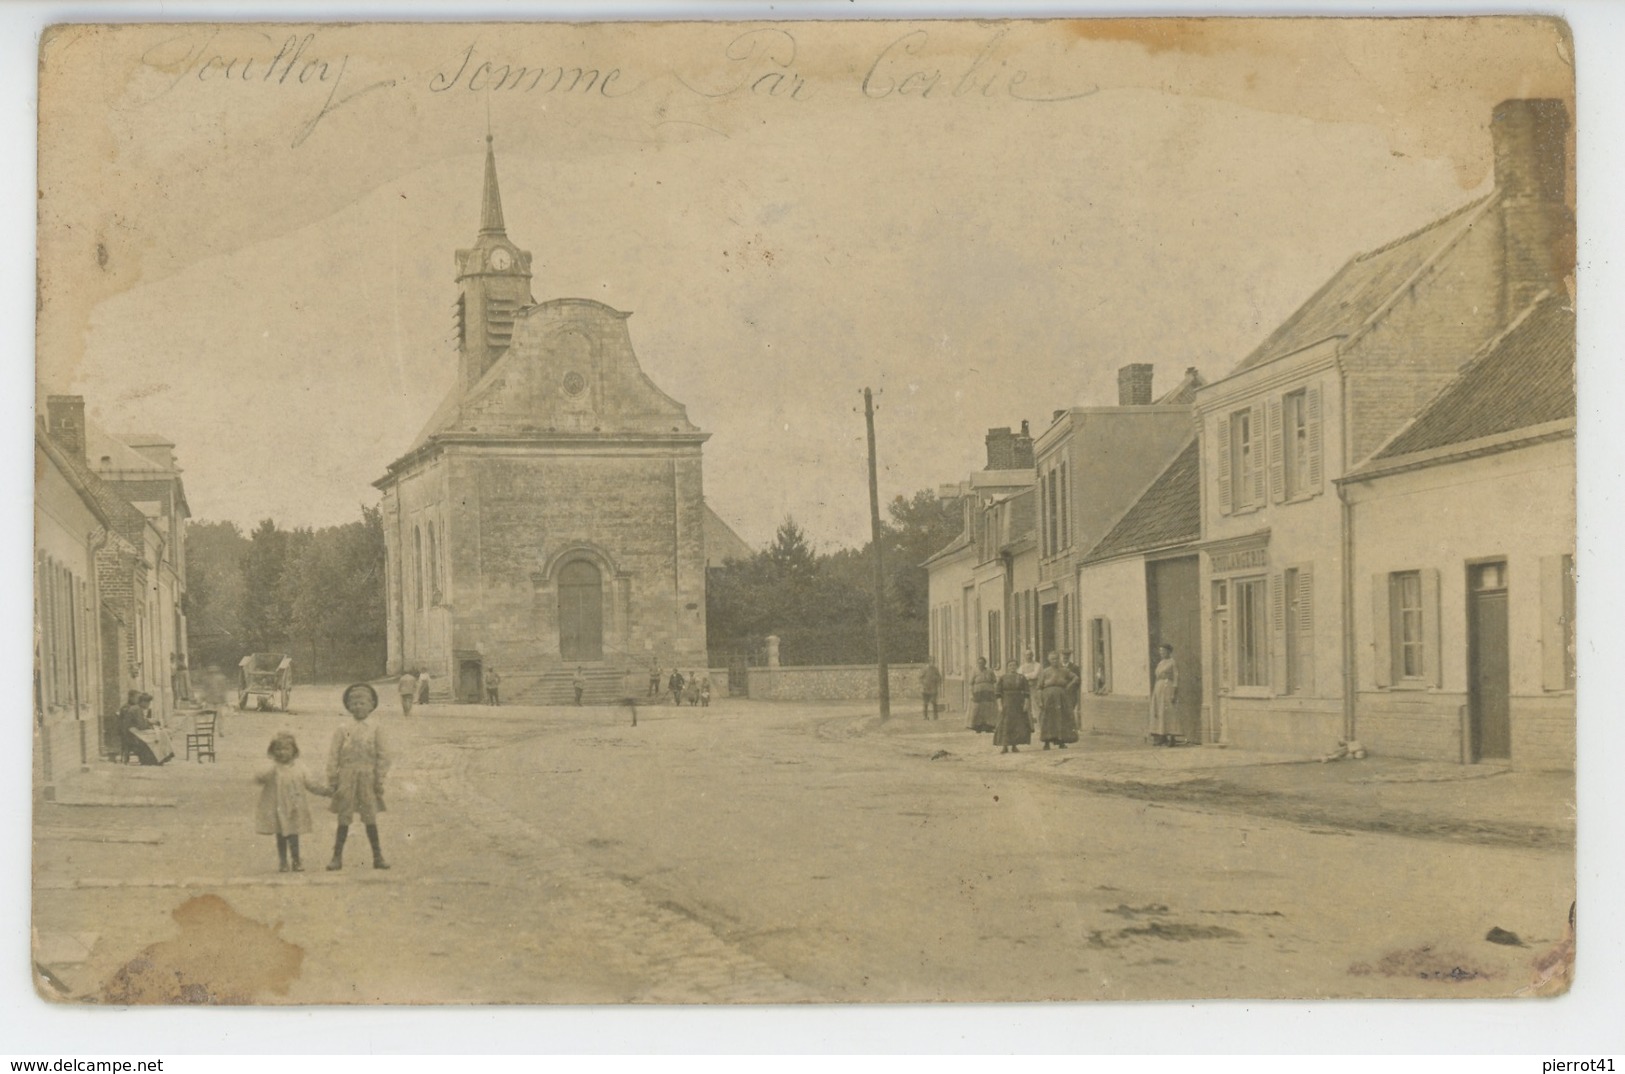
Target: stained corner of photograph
point(1082, 510)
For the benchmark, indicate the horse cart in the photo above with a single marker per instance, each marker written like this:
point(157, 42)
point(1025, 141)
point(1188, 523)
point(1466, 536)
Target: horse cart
point(267, 677)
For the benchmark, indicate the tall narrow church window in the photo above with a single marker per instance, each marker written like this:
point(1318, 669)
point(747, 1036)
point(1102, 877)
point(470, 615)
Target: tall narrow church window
point(435, 593)
point(417, 564)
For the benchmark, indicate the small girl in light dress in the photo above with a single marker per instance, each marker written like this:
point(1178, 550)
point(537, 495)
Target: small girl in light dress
point(283, 810)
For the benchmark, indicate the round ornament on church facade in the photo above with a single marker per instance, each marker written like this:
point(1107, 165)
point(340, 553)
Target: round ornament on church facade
point(574, 383)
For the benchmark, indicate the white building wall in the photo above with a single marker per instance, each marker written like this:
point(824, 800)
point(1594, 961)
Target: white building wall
point(1304, 533)
point(1518, 506)
point(1115, 591)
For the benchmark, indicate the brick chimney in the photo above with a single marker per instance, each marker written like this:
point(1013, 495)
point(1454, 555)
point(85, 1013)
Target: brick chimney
point(1134, 385)
point(1021, 449)
point(1530, 137)
point(1007, 450)
point(1000, 443)
point(65, 422)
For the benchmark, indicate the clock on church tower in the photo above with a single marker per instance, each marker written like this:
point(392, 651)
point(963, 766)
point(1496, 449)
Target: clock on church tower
point(495, 278)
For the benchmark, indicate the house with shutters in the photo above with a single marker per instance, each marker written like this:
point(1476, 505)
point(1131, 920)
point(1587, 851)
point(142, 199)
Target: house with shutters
point(110, 518)
point(1463, 561)
point(1139, 588)
point(970, 583)
point(1324, 393)
point(1091, 464)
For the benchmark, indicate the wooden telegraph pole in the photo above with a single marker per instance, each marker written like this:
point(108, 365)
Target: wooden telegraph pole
point(880, 567)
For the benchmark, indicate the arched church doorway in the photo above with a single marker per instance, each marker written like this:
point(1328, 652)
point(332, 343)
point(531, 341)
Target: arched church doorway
point(581, 611)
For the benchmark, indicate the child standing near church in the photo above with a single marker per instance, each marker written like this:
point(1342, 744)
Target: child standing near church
point(356, 765)
point(283, 810)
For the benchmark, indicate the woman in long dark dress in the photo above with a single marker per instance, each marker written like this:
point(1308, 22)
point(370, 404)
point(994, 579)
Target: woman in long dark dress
point(984, 693)
point(1055, 724)
point(1015, 727)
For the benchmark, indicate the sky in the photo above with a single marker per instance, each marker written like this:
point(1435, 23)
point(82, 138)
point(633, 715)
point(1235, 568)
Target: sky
point(980, 221)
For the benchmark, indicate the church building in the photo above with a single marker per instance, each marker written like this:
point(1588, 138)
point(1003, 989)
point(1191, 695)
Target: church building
point(551, 514)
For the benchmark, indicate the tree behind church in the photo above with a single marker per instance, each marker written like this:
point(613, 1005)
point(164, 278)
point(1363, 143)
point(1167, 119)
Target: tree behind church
point(316, 594)
point(821, 605)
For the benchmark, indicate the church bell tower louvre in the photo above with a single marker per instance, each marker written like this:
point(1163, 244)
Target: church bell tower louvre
point(495, 279)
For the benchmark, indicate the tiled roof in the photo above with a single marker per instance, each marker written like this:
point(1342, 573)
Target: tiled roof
point(1363, 286)
point(1168, 512)
point(721, 542)
point(958, 544)
point(1184, 393)
point(124, 516)
point(1522, 378)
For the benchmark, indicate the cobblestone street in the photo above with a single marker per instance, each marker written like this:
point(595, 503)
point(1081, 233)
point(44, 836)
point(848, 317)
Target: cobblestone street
point(773, 853)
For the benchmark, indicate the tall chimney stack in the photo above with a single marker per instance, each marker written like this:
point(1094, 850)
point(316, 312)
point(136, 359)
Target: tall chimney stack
point(1009, 451)
point(1021, 449)
point(65, 422)
point(1134, 385)
point(1530, 138)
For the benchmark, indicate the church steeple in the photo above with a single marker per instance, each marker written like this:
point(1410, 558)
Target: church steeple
point(495, 278)
point(491, 211)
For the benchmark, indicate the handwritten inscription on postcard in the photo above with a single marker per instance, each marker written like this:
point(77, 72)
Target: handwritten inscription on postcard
point(1081, 510)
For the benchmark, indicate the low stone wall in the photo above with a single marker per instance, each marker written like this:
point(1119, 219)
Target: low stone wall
point(836, 682)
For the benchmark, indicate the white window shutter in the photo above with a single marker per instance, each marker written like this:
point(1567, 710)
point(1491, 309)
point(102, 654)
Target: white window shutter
point(1382, 632)
point(1311, 406)
point(1306, 628)
point(1260, 477)
point(1276, 460)
point(1432, 665)
point(1278, 629)
point(1106, 645)
point(1224, 464)
point(1554, 638)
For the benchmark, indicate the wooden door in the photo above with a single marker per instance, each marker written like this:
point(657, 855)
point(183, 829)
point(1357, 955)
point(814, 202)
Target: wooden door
point(470, 682)
point(1174, 616)
point(581, 612)
point(1488, 673)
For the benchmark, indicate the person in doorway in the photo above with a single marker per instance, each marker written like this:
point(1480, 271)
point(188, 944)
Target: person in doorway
point(675, 685)
point(425, 680)
point(1015, 726)
point(930, 686)
point(1055, 685)
point(409, 692)
point(579, 683)
point(493, 686)
point(177, 677)
point(984, 693)
point(357, 762)
point(283, 809)
point(1164, 696)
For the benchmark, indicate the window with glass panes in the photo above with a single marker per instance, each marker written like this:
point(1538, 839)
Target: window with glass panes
point(1405, 606)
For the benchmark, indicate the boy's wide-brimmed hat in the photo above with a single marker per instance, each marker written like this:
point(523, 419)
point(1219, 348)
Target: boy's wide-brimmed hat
point(367, 686)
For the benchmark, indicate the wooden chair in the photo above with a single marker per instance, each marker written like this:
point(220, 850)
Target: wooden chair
point(201, 737)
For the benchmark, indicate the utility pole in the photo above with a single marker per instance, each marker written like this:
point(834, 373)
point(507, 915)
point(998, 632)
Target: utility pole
point(880, 568)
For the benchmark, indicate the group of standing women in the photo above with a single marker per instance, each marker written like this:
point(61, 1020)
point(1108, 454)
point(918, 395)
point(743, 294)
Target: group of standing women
point(1005, 704)
point(1025, 699)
